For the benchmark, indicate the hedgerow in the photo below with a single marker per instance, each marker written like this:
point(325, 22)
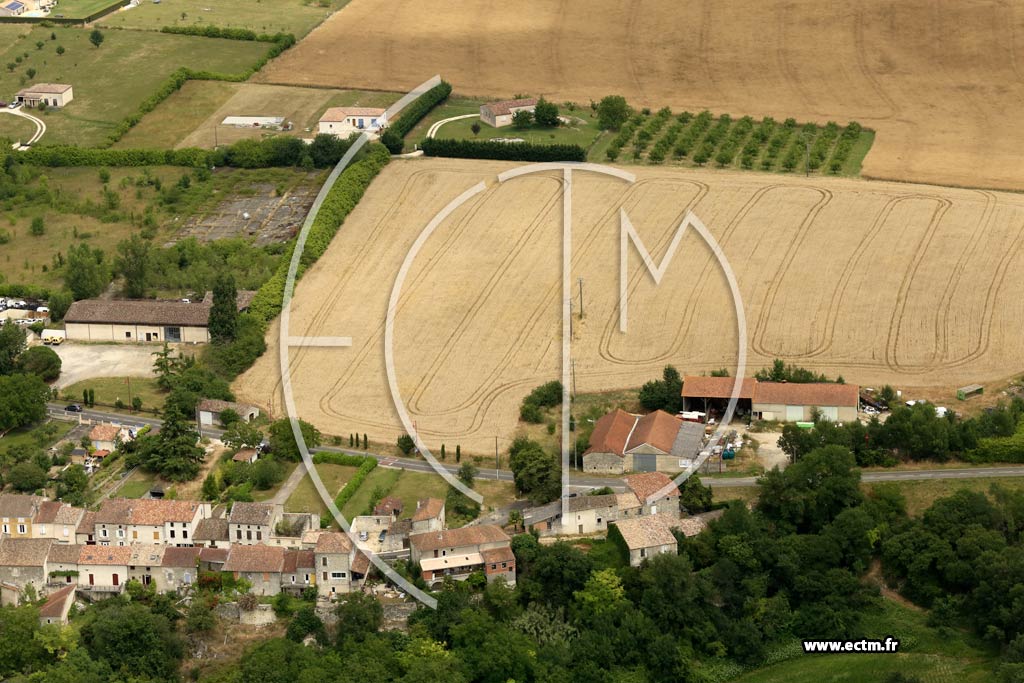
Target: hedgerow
point(393, 136)
point(330, 458)
point(350, 488)
point(342, 198)
point(505, 151)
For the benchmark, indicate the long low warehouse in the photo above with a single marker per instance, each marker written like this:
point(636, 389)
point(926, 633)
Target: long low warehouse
point(782, 401)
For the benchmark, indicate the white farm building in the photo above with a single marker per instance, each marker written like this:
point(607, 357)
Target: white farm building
point(343, 121)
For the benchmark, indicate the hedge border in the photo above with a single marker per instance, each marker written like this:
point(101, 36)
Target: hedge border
point(394, 136)
point(353, 484)
point(502, 151)
point(342, 198)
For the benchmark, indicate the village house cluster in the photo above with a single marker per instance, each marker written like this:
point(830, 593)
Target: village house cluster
point(59, 550)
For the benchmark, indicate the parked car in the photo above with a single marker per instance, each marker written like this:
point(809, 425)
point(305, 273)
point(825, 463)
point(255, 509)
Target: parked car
point(13, 105)
point(363, 535)
point(73, 408)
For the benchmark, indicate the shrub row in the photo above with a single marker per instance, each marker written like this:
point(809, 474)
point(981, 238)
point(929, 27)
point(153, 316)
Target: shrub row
point(210, 31)
point(727, 152)
point(620, 140)
point(393, 137)
point(342, 198)
point(281, 150)
point(349, 489)
point(505, 151)
point(649, 130)
point(331, 458)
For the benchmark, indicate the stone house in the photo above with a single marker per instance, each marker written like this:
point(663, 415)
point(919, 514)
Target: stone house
point(179, 568)
point(259, 564)
point(57, 606)
point(58, 521)
point(121, 521)
point(103, 569)
point(429, 515)
point(587, 515)
point(460, 552)
point(299, 571)
point(622, 442)
point(499, 114)
point(648, 488)
point(252, 523)
point(62, 564)
point(645, 537)
point(333, 557)
point(23, 562)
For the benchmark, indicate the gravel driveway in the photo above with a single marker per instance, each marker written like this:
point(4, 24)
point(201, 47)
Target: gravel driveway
point(85, 361)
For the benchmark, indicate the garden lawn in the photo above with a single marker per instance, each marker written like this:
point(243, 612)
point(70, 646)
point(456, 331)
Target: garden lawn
point(80, 9)
point(453, 106)
point(110, 82)
point(382, 477)
point(137, 485)
point(109, 389)
point(582, 130)
point(305, 497)
point(297, 17)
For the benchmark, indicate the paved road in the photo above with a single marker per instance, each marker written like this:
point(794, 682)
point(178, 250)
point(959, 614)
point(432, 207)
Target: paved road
point(577, 481)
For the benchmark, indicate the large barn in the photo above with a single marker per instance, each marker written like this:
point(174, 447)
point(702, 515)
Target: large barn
point(143, 320)
point(782, 401)
point(622, 442)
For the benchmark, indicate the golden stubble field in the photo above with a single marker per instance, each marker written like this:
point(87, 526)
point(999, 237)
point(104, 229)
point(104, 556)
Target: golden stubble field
point(880, 282)
point(939, 81)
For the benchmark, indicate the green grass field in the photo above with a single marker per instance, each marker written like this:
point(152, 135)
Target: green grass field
point(42, 435)
point(109, 389)
point(79, 9)
point(111, 81)
point(932, 655)
point(921, 494)
point(297, 17)
point(137, 485)
point(16, 128)
point(305, 497)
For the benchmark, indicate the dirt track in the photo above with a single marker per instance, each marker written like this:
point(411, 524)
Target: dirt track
point(939, 81)
point(880, 282)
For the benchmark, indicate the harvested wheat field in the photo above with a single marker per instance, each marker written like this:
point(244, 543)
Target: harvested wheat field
point(880, 282)
point(939, 81)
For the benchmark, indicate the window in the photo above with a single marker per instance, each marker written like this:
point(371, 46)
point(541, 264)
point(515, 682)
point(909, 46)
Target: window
point(21, 528)
point(42, 530)
point(172, 533)
point(323, 563)
point(337, 575)
point(504, 565)
point(643, 552)
point(135, 535)
point(238, 534)
point(184, 533)
point(494, 566)
point(103, 533)
point(120, 533)
point(307, 578)
point(127, 335)
point(325, 576)
point(248, 535)
point(259, 535)
point(156, 535)
point(6, 529)
point(293, 578)
point(65, 531)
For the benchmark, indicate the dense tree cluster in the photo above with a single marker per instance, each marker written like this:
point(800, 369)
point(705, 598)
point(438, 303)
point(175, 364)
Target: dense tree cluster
point(780, 371)
point(536, 472)
point(547, 395)
point(912, 433)
point(664, 394)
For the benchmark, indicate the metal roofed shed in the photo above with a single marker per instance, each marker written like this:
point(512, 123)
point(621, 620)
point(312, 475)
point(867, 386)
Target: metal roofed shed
point(964, 393)
point(275, 122)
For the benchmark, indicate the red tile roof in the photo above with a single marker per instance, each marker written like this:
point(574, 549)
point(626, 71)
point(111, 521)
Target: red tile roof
point(214, 555)
point(361, 564)
point(611, 432)
point(502, 554)
point(458, 538)
point(113, 555)
point(506, 106)
point(181, 557)
point(657, 429)
point(428, 508)
point(55, 603)
point(814, 394)
point(388, 505)
point(647, 484)
point(333, 542)
point(716, 387)
point(340, 113)
point(254, 558)
point(104, 432)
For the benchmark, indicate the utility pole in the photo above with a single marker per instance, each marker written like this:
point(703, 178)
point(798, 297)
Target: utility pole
point(581, 298)
point(496, 457)
point(570, 319)
point(574, 377)
point(129, 380)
